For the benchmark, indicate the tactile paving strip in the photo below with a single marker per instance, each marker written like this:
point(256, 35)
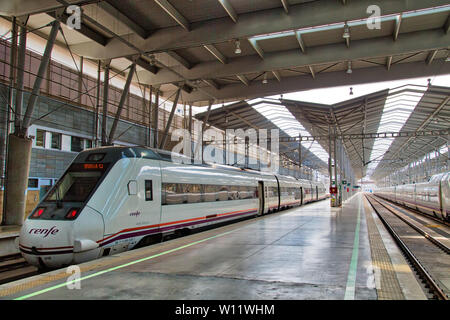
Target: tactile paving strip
point(389, 288)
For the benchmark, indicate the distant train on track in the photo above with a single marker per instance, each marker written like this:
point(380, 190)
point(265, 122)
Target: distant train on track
point(432, 198)
point(113, 199)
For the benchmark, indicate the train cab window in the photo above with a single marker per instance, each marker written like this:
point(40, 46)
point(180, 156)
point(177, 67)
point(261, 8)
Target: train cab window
point(148, 190)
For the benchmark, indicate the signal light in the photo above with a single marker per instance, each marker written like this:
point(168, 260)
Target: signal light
point(38, 213)
point(72, 214)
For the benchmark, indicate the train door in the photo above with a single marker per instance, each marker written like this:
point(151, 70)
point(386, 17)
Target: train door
point(440, 199)
point(301, 195)
point(317, 193)
point(279, 193)
point(261, 197)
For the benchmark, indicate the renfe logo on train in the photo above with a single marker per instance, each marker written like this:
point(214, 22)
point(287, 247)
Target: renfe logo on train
point(45, 232)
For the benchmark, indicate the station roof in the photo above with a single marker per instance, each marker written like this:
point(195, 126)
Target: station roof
point(415, 120)
point(293, 44)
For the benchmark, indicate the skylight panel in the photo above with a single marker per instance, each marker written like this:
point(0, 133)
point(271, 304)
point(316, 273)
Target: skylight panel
point(396, 112)
point(283, 119)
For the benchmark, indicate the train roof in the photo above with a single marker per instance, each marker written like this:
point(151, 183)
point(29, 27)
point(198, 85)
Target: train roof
point(113, 154)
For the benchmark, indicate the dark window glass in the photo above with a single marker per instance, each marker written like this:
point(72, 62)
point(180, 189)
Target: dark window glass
point(177, 193)
point(148, 190)
point(40, 138)
point(95, 157)
point(75, 186)
point(88, 144)
point(77, 144)
point(210, 193)
point(33, 183)
point(56, 141)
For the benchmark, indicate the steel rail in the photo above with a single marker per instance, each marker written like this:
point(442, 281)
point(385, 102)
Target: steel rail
point(418, 265)
point(438, 243)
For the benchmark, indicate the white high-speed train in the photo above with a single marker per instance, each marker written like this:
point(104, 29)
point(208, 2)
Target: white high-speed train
point(113, 199)
point(432, 197)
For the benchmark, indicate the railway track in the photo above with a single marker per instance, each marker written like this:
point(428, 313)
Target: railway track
point(428, 255)
point(14, 267)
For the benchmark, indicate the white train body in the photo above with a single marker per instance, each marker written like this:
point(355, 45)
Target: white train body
point(112, 198)
point(432, 198)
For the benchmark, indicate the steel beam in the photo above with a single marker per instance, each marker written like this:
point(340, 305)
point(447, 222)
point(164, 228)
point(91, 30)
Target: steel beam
point(398, 24)
point(174, 13)
point(299, 38)
point(124, 95)
point(143, 63)
point(182, 61)
point(169, 121)
point(322, 55)
point(156, 119)
point(431, 56)
point(277, 75)
point(84, 29)
point(323, 80)
point(216, 53)
point(257, 48)
point(20, 76)
point(105, 102)
point(243, 79)
point(302, 15)
point(39, 77)
point(285, 4)
point(212, 83)
point(229, 9)
point(119, 15)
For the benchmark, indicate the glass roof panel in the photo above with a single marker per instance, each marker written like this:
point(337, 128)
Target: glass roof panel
point(393, 119)
point(285, 120)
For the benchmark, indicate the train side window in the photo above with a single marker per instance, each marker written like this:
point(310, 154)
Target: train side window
point(148, 190)
point(132, 187)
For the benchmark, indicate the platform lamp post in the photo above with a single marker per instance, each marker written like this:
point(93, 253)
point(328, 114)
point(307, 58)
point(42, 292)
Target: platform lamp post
point(19, 144)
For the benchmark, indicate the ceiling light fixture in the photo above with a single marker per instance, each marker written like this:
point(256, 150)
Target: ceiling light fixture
point(349, 68)
point(346, 34)
point(238, 47)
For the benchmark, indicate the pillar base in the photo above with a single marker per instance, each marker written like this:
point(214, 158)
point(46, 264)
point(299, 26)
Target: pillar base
point(19, 157)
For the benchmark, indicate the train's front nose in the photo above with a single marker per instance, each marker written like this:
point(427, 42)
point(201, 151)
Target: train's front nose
point(47, 243)
point(55, 243)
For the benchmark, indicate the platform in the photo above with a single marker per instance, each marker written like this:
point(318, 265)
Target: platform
point(309, 252)
point(8, 234)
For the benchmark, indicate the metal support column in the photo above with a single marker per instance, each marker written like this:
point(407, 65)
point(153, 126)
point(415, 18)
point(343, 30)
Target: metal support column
point(300, 160)
point(4, 139)
point(190, 132)
point(150, 119)
point(335, 168)
point(105, 102)
point(156, 120)
point(205, 121)
point(124, 95)
point(39, 77)
point(169, 121)
point(80, 79)
point(97, 105)
point(20, 76)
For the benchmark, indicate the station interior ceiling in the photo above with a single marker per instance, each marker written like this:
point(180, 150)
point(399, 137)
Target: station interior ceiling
point(225, 51)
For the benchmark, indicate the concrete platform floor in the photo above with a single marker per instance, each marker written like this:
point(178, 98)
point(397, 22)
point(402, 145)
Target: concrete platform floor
point(309, 252)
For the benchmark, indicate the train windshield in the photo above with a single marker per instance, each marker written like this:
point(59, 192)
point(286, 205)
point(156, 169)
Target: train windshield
point(77, 184)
